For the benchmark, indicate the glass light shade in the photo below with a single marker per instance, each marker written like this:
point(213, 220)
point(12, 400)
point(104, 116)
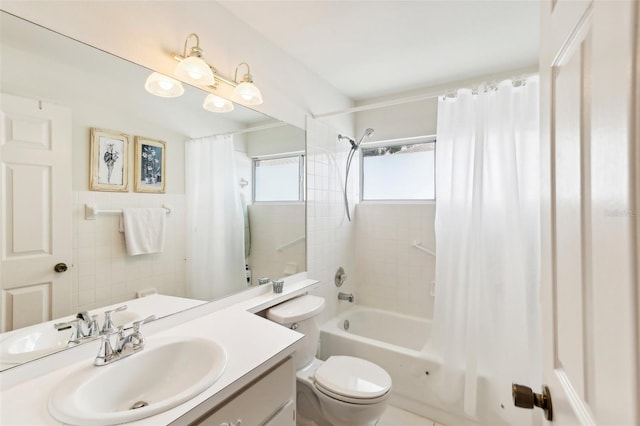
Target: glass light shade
point(163, 86)
point(215, 103)
point(247, 93)
point(196, 71)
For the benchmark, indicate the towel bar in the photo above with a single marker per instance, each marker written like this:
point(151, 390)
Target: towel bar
point(290, 243)
point(419, 246)
point(91, 211)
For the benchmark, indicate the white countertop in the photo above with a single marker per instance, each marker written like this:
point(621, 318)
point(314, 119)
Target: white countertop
point(253, 345)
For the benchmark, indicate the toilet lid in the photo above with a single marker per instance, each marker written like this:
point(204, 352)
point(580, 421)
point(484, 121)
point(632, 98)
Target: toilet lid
point(352, 377)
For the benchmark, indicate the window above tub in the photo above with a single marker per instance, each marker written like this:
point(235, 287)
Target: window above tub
point(278, 179)
point(402, 170)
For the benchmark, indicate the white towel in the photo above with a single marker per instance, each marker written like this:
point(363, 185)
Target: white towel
point(144, 230)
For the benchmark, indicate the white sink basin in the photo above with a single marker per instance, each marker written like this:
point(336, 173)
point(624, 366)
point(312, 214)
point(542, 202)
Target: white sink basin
point(166, 373)
point(32, 342)
point(38, 340)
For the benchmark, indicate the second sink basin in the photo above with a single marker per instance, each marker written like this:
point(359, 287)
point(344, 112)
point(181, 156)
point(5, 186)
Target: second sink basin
point(38, 340)
point(167, 373)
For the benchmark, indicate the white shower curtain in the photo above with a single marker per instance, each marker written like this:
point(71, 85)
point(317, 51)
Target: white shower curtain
point(486, 318)
point(215, 224)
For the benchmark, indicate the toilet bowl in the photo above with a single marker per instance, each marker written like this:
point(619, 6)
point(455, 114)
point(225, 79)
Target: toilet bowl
point(341, 391)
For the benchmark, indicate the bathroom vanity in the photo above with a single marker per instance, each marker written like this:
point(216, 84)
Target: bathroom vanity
point(256, 385)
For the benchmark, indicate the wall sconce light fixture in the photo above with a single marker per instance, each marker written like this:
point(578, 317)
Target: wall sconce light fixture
point(246, 92)
point(163, 86)
point(193, 69)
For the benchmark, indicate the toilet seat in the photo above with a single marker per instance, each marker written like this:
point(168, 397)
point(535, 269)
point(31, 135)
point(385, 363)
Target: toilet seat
point(352, 380)
point(350, 400)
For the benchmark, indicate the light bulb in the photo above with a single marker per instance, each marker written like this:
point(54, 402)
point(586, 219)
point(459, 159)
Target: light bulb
point(247, 93)
point(215, 103)
point(163, 86)
point(196, 71)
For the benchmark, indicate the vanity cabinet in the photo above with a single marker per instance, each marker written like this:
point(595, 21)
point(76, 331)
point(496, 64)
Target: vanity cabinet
point(269, 401)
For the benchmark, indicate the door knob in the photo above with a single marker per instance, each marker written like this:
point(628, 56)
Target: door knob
point(524, 397)
point(60, 267)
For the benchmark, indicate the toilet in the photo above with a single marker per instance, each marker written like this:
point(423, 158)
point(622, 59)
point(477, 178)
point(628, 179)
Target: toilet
point(341, 391)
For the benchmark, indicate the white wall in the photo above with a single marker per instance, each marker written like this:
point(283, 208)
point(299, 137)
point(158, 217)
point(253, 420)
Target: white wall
point(278, 140)
point(399, 121)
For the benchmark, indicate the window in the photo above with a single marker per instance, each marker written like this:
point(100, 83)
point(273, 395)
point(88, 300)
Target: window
point(399, 171)
point(278, 179)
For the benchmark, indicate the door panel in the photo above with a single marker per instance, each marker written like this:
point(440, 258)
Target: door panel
point(570, 208)
point(589, 268)
point(28, 305)
point(35, 233)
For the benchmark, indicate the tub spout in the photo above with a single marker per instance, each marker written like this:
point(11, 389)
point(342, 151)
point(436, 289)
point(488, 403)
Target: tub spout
point(346, 296)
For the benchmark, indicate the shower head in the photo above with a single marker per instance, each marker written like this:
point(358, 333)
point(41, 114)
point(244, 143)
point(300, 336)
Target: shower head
point(366, 134)
point(351, 141)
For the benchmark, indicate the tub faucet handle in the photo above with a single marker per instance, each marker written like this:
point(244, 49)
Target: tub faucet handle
point(340, 277)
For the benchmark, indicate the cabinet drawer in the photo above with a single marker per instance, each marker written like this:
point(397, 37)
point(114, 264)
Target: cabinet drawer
point(269, 400)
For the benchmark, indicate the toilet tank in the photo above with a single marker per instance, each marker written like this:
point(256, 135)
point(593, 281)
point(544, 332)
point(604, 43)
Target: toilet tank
point(300, 315)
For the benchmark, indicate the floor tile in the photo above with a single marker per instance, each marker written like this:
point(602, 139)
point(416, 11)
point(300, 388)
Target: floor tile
point(395, 416)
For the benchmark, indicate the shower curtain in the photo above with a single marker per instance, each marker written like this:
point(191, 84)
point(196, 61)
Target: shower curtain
point(486, 317)
point(215, 223)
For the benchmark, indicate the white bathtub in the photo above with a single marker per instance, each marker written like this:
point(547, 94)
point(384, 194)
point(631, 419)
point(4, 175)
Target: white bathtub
point(397, 343)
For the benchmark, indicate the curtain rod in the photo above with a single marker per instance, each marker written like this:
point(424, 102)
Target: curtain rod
point(439, 91)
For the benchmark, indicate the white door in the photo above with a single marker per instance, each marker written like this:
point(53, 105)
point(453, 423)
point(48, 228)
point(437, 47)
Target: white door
point(35, 211)
point(590, 210)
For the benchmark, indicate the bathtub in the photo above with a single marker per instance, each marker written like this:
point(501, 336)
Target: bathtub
point(398, 343)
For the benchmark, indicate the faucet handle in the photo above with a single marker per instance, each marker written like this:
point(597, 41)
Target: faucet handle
point(118, 309)
point(94, 329)
point(74, 325)
point(108, 326)
point(84, 316)
point(137, 324)
point(136, 337)
point(60, 326)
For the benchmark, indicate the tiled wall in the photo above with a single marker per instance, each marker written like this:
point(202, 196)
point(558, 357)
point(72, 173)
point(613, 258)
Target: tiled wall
point(102, 272)
point(273, 225)
point(330, 236)
point(383, 269)
point(393, 275)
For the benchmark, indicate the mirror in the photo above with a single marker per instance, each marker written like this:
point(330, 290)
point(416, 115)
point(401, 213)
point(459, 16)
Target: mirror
point(106, 92)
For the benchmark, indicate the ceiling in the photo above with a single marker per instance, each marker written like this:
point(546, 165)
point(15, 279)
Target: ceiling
point(370, 49)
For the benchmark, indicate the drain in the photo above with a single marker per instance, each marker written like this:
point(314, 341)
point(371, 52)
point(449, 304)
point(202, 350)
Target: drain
point(138, 404)
point(346, 325)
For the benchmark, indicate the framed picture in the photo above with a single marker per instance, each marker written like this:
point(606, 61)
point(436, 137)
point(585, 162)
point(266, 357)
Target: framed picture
point(150, 168)
point(109, 161)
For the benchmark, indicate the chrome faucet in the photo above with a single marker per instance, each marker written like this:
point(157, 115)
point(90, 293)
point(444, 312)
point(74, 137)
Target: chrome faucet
point(346, 296)
point(84, 327)
point(124, 345)
point(108, 326)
